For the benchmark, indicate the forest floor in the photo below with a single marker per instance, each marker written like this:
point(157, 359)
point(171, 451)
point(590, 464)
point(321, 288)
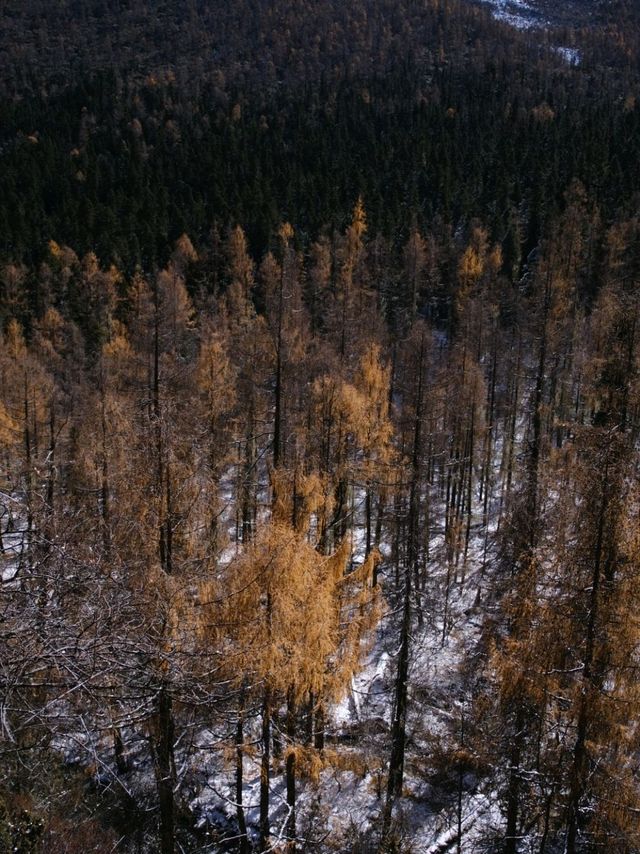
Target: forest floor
point(342, 808)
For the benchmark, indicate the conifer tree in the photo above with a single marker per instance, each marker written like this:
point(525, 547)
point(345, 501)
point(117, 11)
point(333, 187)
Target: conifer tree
point(296, 620)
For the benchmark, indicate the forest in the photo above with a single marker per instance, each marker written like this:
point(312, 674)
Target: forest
point(319, 429)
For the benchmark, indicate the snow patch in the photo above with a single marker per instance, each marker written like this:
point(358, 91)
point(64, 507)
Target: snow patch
point(516, 13)
point(571, 55)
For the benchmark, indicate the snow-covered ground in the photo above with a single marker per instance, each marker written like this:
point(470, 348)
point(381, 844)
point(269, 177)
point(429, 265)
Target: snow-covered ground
point(517, 13)
point(571, 55)
point(540, 14)
point(14, 534)
point(346, 803)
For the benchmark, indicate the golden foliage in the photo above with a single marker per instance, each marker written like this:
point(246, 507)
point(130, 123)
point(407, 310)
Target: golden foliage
point(184, 252)
point(293, 617)
point(62, 255)
point(14, 342)
point(543, 113)
point(54, 249)
point(494, 259)
point(471, 266)
point(215, 377)
point(241, 267)
point(285, 232)
point(177, 309)
point(358, 413)
point(9, 429)
point(358, 226)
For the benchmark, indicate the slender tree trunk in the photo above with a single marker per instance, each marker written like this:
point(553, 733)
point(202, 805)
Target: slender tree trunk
point(447, 594)
point(368, 519)
point(378, 533)
point(513, 789)
point(277, 426)
point(319, 727)
point(536, 443)
point(459, 804)
point(469, 499)
point(489, 436)
point(162, 485)
point(413, 522)
point(629, 372)
point(506, 491)
point(265, 771)
point(28, 545)
point(248, 478)
point(265, 765)
point(526, 552)
point(51, 479)
point(290, 771)
point(104, 485)
point(164, 758)
point(243, 842)
point(547, 816)
point(168, 524)
point(589, 681)
point(399, 723)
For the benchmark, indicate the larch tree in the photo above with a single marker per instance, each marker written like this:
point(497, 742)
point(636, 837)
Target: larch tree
point(415, 261)
point(295, 620)
point(515, 583)
point(603, 654)
point(216, 382)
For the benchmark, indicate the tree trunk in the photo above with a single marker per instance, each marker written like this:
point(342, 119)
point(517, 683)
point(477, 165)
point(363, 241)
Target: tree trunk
point(399, 723)
point(277, 425)
point(243, 845)
point(513, 789)
point(291, 772)
point(265, 771)
point(165, 777)
point(523, 557)
point(104, 486)
point(589, 681)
